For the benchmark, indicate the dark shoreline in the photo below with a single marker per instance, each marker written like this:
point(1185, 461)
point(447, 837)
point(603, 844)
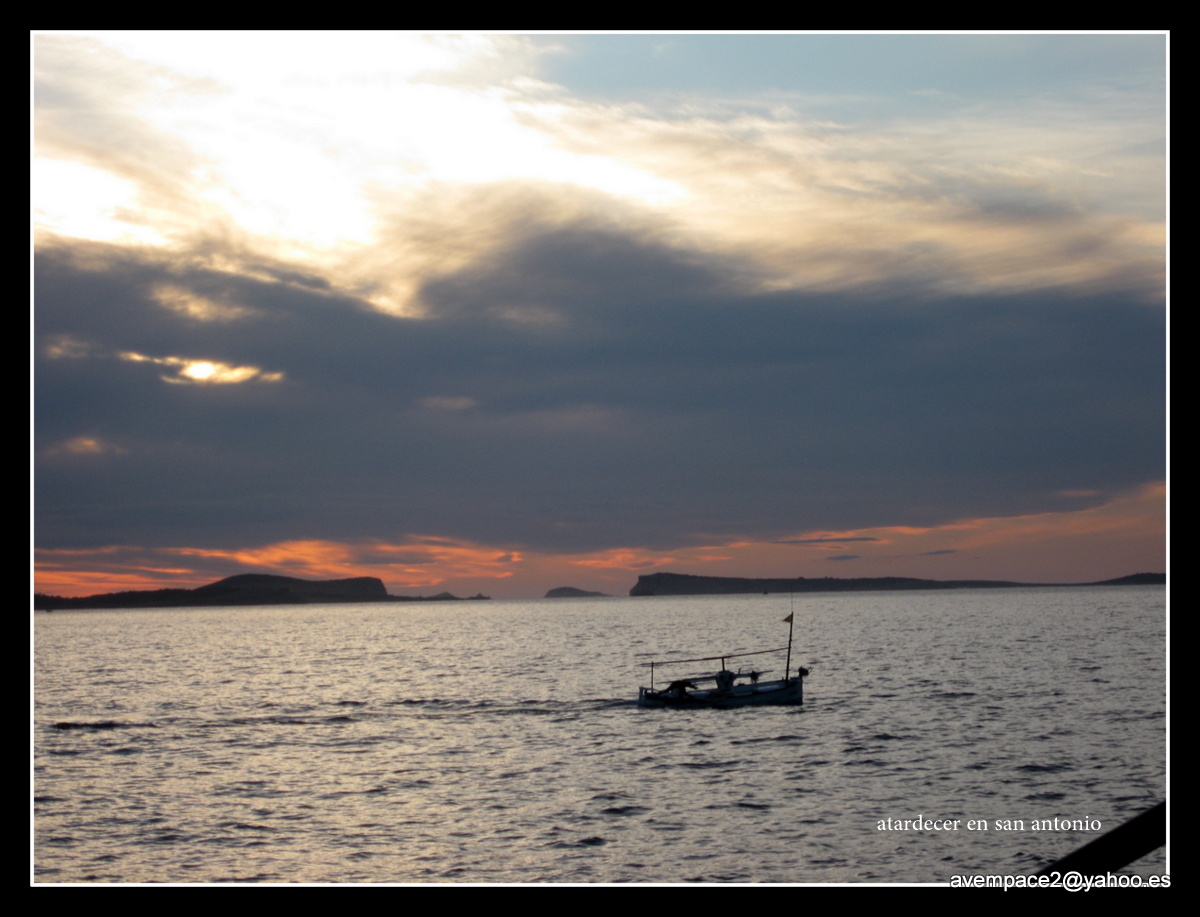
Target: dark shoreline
point(686, 584)
point(244, 589)
point(264, 589)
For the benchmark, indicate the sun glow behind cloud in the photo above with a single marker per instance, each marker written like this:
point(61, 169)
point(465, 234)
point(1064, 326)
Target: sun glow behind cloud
point(76, 200)
point(84, 447)
point(294, 155)
point(327, 149)
point(205, 371)
point(578, 290)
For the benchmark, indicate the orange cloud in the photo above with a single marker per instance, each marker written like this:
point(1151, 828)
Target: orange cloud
point(623, 559)
point(427, 561)
point(420, 563)
point(1125, 535)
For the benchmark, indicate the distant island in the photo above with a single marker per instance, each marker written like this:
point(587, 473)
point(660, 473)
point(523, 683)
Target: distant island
point(244, 589)
point(685, 584)
point(570, 592)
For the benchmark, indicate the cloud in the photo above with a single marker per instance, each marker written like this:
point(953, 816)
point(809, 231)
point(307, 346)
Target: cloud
point(995, 198)
point(656, 403)
point(447, 294)
point(414, 564)
point(825, 540)
point(179, 141)
point(204, 372)
point(1124, 533)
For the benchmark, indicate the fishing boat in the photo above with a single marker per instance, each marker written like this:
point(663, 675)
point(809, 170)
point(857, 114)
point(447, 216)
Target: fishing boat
point(726, 688)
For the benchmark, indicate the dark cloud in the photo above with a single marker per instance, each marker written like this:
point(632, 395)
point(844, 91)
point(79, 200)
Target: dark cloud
point(583, 386)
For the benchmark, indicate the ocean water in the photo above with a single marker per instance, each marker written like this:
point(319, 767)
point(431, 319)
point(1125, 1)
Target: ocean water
point(500, 742)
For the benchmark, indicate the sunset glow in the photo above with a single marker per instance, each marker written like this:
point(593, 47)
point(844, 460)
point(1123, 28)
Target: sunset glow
point(1022, 549)
point(500, 313)
point(188, 370)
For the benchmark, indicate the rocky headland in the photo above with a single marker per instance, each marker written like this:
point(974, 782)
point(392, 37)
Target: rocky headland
point(686, 584)
point(244, 589)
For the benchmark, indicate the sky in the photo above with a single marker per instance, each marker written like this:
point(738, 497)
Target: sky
point(497, 313)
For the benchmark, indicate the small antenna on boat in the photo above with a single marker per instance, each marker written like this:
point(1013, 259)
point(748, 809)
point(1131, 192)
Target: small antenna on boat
point(791, 619)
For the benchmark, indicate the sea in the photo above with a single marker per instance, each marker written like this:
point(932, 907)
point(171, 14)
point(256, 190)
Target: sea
point(943, 734)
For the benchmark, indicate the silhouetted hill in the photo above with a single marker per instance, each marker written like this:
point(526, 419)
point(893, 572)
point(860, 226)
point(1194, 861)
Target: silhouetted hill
point(1136, 579)
point(570, 592)
point(255, 587)
point(243, 589)
point(686, 584)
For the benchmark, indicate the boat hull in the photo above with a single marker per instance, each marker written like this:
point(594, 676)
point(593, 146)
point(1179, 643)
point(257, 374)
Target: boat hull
point(767, 693)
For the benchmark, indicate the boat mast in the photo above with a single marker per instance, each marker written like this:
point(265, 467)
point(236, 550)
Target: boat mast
point(791, 626)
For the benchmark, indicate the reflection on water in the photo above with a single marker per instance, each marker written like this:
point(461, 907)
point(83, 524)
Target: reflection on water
point(501, 742)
